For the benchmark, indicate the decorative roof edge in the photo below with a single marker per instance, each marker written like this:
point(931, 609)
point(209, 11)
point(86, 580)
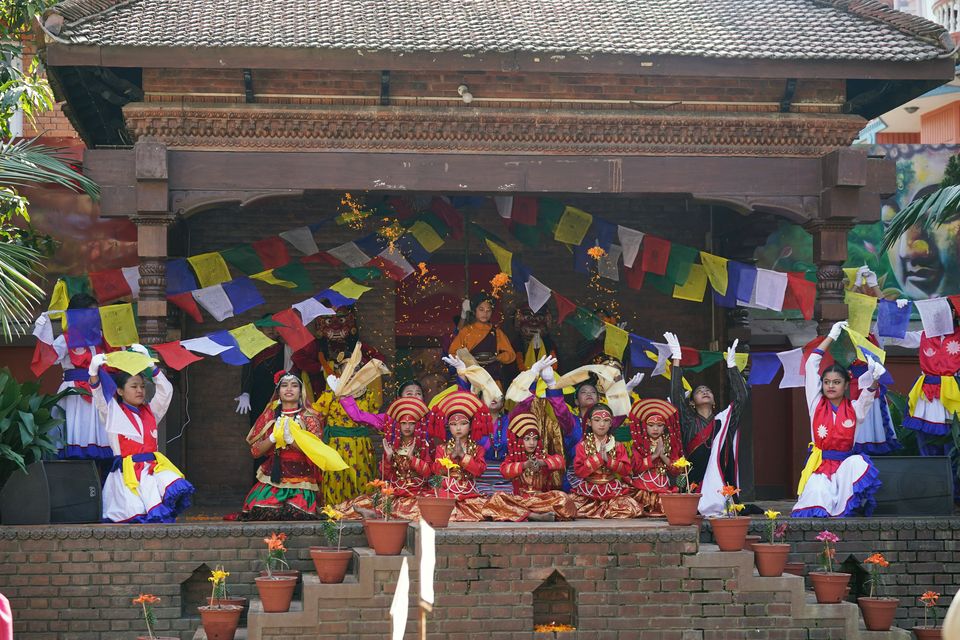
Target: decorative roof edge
point(75, 11)
point(905, 23)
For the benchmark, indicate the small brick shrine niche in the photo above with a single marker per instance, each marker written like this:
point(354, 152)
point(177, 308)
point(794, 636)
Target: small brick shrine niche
point(555, 602)
point(194, 591)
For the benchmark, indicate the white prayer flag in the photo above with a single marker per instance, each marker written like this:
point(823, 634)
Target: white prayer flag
point(394, 257)
point(215, 300)
point(663, 358)
point(204, 345)
point(400, 607)
point(428, 560)
point(936, 316)
point(132, 276)
point(302, 240)
point(608, 265)
point(311, 308)
point(350, 254)
point(792, 374)
point(537, 294)
point(504, 206)
point(630, 240)
point(770, 289)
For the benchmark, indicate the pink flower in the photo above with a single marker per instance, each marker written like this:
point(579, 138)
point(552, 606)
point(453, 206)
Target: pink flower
point(826, 536)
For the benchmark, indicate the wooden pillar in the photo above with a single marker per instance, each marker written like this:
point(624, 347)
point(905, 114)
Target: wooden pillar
point(152, 219)
point(829, 253)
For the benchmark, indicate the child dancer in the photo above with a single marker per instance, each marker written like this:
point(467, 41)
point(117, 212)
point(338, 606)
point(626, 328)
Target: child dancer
point(656, 446)
point(467, 420)
point(600, 462)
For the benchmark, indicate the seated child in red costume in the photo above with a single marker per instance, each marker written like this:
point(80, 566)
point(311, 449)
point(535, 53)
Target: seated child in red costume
point(656, 446)
point(602, 464)
point(464, 418)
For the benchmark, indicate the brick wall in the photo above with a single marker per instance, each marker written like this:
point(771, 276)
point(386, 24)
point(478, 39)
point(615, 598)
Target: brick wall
point(223, 473)
point(490, 89)
point(49, 124)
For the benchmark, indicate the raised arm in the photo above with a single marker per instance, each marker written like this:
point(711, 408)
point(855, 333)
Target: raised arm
point(739, 393)
point(163, 395)
point(355, 413)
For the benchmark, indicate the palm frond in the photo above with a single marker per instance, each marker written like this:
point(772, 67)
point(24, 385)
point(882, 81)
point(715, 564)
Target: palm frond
point(932, 210)
point(27, 163)
point(19, 293)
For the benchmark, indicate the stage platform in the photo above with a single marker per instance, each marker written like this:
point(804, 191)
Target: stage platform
point(610, 579)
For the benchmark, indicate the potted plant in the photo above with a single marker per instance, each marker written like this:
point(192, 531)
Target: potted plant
point(681, 508)
point(146, 601)
point(878, 612)
point(387, 537)
point(828, 585)
point(220, 621)
point(935, 632)
point(330, 562)
point(771, 557)
point(278, 557)
point(434, 509)
point(220, 594)
point(276, 591)
point(730, 530)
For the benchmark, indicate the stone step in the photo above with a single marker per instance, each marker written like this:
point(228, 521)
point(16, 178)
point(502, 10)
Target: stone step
point(201, 635)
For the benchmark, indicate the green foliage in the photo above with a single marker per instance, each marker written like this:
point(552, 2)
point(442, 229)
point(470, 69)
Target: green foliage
point(932, 210)
point(330, 531)
point(951, 174)
point(27, 423)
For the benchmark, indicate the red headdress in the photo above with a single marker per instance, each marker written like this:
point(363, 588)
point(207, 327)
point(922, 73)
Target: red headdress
point(481, 423)
point(406, 410)
point(521, 424)
point(654, 410)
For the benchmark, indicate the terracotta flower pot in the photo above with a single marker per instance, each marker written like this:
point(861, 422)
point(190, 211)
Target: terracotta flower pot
point(238, 601)
point(928, 633)
point(331, 564)
point(770, 558)
point(829, 587)
point(283, 573)
point(220, 623)
point(276, 593)
point(680, 508)
point(730, 533)
point(157, 638)
point(750, 540)
point(436, 511)
point(878, 613)
point(386, 537)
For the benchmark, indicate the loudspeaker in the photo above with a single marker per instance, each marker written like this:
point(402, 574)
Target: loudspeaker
point(52, 491)
point(914, 486)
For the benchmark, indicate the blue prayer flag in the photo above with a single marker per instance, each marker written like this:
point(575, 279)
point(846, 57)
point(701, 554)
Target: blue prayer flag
point(746, 279)
point(179, 277)
point(892, 321)
point(231, 356)
point(763, 368)
point(520, 274)
point(334, 298)
point(83, 328)
point(638, 358)
point(243, 295)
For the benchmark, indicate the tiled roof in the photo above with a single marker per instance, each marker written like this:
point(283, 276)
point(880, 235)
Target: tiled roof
point(760, 29)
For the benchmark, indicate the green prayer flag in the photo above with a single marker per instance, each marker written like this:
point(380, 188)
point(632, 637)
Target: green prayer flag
point(78, 284)
point(528, 235)
point(364, 274)
point(707, 359)
point(664, 284)
point(549, 212)
point(586, 322)
point(439, 226)
point(297, 274)
point(243, 258)
point(678, 266)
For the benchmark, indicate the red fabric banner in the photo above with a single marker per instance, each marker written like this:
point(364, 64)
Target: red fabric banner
point(524, 210)
point(656, 255)
point(174, 355)
point(293, 332)
point(187, 302)
point(272, 252)
point(800, 294)
point(564, 307)
point(634, 274)
point(44, 356)
point(109, 285)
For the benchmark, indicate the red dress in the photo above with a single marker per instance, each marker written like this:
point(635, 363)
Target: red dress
point(533, 491)
point(601, 492)
point(460, 483)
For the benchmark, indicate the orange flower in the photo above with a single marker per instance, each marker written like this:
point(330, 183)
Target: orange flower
point(387, 491)
point(929, 598)
point(498, 282)
point(275, 542)
point(877, 559)
point(377, 484)
point(596, 252)
point(423, 268)
point(728, 491)
point(146, 598)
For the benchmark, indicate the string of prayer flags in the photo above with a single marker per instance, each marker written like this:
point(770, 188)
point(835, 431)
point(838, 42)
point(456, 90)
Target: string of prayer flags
point(603, 233)
point(792, 363)
point(502, 255)
point(118, 325)
point(504, 205)
point(251, 340)
point(109, 285)
point(59, 300)
point(426, 236)
point(678, 265)
point(132, 362)
point(656, 255)
point(523, 210)
point(892, 319)
point(746, 283)
point(639, 346)
point(211, 268)
point(292, 330)
point(214, 300)
point(716, 268)
point(186, 302)
point(179, 277)
point(729, 299)
point(272, 252)
point(334, 298)
point(763, 367)
point(350, 289)
point(607, 266)
point(860, 309)
point(936, 316)
point(630, 241)
point(302, 240)
point(83, 328)
point(243, 295)
point(393, 264)
point(233, 355)
point(662, 358)
point(586, 322)
point(350, 254)
point(573, 226)
point(615, 340)
point(707, 360)
point(411, 249)
point(244, 259)
point(865, 350)
point(634, 276)
point(450, 216)
point(741, 360)
point(295, 277)
point(564, 307)
point(801, 294)
point(312, 308)
point(519, 275)
point(771, 288)
point(174, 355)
point(695, 286)
point(204, 345)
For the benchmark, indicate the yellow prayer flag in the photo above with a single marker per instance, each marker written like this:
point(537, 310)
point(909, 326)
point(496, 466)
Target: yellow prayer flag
point(210, 268)
point(573, 226)
point(695, 286)
point(851, 275)
point(716, 270)
point(119, 325)
point(426, 236)
point(861, 343)
point(615, 340)
point(350, 289)
point(269, 278)
point(741, 360)
point(132, 362)
point(860, 310)
point(250, 340)
point(59, 301)
point(502, 255)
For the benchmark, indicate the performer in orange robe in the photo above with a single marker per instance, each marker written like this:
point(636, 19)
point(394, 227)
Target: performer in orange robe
point(487, 343)
point(655, 429)
point(534, 497)
point(466, 419)
point(602, 464)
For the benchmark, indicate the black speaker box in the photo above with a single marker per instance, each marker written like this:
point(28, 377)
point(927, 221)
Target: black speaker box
point(52, 491)
point(914, 486)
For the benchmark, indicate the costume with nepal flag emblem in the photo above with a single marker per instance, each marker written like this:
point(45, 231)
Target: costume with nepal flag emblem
point(143, 486)
point(653, 457)
point(604, 469)
point(85, 435)
point(843, 481)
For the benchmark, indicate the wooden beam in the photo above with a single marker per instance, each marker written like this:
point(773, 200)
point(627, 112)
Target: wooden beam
point(373, 60)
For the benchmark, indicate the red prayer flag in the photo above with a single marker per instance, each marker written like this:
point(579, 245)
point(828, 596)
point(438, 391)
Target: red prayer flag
point(689, 357)
point(392, 269)
point(293, 332)
point(800, 294)
point(955, 302)
point(174, 355)
point(321, 257)
point(524, 210)
point(187, 302)
point(564, 307)
point(109, 285)
point(656, 255)
point(449, 214)
point(402, 207)
point(808, 349)
point(272, 252)
point(634, 275)
point(44, 356)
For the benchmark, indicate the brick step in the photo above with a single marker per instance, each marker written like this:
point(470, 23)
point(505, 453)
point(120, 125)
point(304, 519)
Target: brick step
point(201, 635)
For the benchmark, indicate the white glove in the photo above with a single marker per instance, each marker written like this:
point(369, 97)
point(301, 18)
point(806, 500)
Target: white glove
point(877, 369)
point(546, 370)
point(96, 362)
point(456, 363)
point(42, 321)
point(732, 354)
point(465, 309)
point(139, 348)
point(633, 382)
point(902, 302)
point(243, 403)
point(272, 438)
point(674, 343)
point(287, 436)
point(865, 275)
point(333, 382)
point(836, 330)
